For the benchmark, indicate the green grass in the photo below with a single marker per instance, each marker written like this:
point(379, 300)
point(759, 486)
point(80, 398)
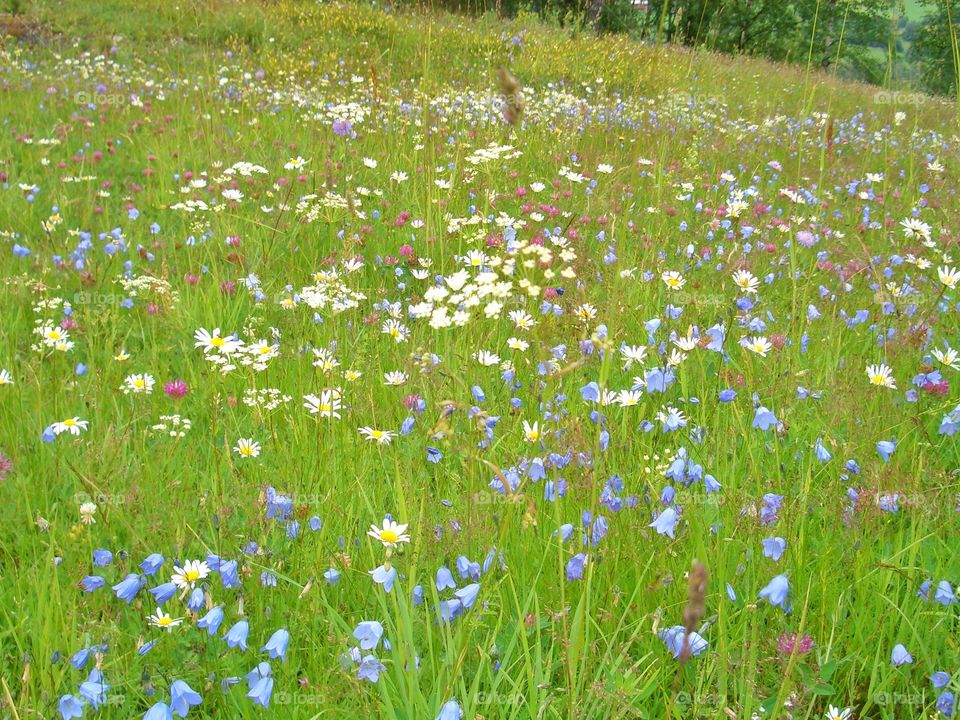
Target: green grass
point(220, 83)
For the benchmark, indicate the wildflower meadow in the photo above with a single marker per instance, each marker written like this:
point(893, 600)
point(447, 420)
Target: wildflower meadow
point(370, 362)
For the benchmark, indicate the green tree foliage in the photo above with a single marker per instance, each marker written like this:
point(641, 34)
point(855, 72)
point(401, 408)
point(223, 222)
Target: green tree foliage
point(821, 32)
point(879, 41)
point(934, 49)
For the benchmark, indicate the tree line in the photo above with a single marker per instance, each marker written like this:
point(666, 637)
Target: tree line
point(894, 43)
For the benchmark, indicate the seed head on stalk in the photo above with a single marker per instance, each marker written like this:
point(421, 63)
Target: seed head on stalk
point(512, 95)
point(696, 606)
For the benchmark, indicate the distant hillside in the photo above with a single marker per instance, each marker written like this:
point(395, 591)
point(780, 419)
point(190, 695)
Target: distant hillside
point(414, 45)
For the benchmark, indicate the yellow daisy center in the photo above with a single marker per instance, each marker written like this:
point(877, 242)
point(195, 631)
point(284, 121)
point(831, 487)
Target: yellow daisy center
point(389, 536)
point(192, 575)
point(217, 341)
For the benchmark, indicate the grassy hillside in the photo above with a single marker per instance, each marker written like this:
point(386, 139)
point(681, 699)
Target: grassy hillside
point(300, 37)
point(658, 379)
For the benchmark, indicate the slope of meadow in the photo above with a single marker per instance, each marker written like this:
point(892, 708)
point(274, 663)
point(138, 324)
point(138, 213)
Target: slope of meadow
point(659, 381)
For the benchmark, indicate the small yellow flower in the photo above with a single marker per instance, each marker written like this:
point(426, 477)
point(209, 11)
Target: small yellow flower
point(391, 534)
point(531, 433)
point(673, 280)
point(381, 437)
point(190, 574)
point(949, 276)
point(247, 448)
point(881, 375)
point(760, 345)
point(746, 281)
point(163, 621)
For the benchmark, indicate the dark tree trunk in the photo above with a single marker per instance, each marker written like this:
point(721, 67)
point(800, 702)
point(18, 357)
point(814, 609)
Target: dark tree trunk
point(595, 11)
